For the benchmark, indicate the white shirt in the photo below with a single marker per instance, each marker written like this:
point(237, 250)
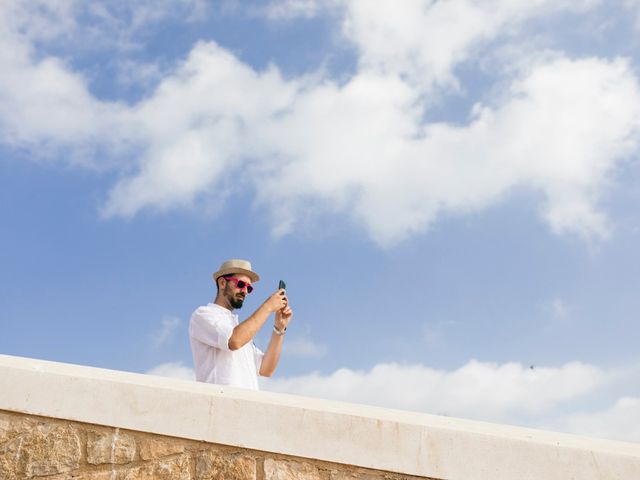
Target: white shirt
point(210, 328)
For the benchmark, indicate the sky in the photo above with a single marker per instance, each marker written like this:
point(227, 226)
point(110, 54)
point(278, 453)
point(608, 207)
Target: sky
point(448, 187)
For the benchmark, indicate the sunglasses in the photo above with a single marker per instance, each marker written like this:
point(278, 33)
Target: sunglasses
point(241, 284)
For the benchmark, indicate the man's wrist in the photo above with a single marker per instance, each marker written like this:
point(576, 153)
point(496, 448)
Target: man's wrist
point(279, 332)
point(267, 306)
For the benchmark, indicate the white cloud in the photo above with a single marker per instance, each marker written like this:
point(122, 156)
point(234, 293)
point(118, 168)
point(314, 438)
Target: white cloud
point(435, 333)
point(166, 332)
point(290, 9)
point(425, 39)
point(304, 347)
point(359, 148)
point(38, 20)
point(391, 173)
point(47, 105)
point(173, 370)
point(620, 421)
point(559, 308)
point(634, 7)
point(44, 104)
point(395, 175)
point(197, 128)
point(100, 24)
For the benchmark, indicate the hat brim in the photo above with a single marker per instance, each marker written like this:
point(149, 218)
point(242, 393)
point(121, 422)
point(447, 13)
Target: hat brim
point(226, 271)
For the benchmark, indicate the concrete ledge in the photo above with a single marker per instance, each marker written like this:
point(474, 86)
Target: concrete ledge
point(369, 437)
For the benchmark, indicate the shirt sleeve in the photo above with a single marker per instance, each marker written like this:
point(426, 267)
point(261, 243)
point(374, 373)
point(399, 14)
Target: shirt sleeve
point(258, 355)
point(211, 329)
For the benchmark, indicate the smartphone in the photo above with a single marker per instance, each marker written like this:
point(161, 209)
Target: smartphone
point(282, 285)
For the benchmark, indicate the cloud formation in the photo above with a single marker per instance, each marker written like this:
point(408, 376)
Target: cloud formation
point(359, 147)
point(166, 333)
point(620, 421)
point(426, 40)
point(305, 347)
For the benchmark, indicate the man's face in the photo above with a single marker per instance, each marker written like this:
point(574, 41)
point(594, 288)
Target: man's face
point(234, 295)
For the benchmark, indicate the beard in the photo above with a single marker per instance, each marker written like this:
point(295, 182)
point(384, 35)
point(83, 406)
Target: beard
point(234, 301)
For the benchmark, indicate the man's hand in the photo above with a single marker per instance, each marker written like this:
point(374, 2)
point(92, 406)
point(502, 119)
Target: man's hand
point(277, 301)
point(283, 317)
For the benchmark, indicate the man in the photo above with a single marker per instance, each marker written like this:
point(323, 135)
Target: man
point(222, 347)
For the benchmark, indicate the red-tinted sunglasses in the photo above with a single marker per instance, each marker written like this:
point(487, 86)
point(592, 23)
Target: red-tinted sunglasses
point(241, 284)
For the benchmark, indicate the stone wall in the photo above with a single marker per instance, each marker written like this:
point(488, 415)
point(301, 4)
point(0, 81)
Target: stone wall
point(61, 421)
point(33, 447)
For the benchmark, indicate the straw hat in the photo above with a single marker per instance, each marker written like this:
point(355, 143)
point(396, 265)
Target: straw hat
point(236, 266)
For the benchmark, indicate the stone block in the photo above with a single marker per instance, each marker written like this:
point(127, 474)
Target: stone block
point(347, 475)
point(12, 425)
point(214, 465)
point(175, 468)
point(113, 448)
point(342, 475)
point(151, 448)
point(10, 461)
point(44, 450)
point(288, 470)
point(86, 475)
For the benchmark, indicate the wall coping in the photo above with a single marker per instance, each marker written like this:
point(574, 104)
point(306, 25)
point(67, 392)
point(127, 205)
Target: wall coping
point(359, 435)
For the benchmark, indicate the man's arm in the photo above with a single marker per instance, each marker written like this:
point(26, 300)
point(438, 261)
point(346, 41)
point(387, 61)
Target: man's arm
point(272, 355)
point(244, 332)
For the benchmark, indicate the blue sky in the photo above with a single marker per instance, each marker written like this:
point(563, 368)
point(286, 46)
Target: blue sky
point(450, 190)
